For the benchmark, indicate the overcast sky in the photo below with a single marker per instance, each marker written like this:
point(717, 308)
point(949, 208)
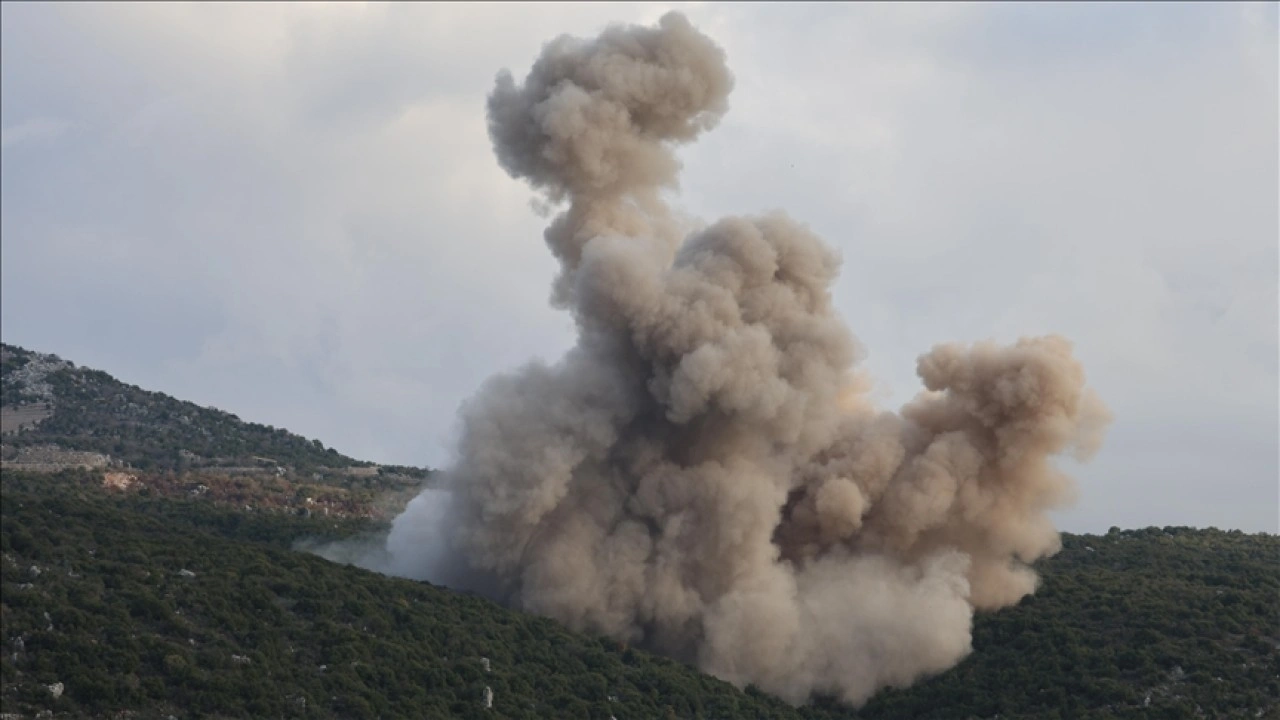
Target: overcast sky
point(292, 212)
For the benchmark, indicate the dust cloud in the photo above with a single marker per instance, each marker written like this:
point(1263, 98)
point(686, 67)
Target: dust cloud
point(703, 473)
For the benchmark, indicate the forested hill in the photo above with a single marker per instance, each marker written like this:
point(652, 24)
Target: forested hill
point(173, 590)
point(124, 603)
point(121, 603)
point(48, 401)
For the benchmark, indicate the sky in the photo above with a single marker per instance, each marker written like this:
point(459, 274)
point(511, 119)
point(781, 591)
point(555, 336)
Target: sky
point(293, 212)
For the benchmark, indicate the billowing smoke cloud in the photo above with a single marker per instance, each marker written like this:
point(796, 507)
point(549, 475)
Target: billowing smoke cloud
point(703, 474)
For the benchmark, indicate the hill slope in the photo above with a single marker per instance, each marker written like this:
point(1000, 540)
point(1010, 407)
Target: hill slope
point(179, 608)
point(46, 400)
point(1166, 623)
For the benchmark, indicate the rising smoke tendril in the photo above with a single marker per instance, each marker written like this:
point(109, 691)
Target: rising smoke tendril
point(703, 473)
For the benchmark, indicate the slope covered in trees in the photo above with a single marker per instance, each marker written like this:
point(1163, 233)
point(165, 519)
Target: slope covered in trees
point(1155, 623)
point(182, 608)
point(92, 411)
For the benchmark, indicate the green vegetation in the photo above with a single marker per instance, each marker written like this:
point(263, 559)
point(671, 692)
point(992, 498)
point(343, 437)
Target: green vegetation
point(260, 631)
point(168, 600)
point(1186, 618)
point(1154, 623)
point(13, 359)
point(148, 430)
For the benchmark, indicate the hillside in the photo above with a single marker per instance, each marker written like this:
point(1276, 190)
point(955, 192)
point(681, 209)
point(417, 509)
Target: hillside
point(180, 608)
point(160, 579)
point(1154, 623)
point(50, 407)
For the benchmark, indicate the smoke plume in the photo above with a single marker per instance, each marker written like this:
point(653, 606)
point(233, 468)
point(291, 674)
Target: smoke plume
point(703, 474)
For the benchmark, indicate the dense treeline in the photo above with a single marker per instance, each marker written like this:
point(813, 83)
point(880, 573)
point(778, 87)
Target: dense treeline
point(260, 631)
point(1155, 623)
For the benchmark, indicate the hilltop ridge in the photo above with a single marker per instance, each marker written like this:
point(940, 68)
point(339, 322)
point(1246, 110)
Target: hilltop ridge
point(50, 407)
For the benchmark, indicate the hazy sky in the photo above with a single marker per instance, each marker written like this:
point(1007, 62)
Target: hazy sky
point(292, 212)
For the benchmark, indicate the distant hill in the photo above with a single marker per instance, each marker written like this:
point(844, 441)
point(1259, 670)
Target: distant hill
point(48, 404)
point(118, 601)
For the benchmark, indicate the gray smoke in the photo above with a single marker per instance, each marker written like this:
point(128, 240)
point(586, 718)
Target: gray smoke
point(703, 474)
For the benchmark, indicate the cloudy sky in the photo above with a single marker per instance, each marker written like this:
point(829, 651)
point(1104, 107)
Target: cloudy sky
point(292, 212)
